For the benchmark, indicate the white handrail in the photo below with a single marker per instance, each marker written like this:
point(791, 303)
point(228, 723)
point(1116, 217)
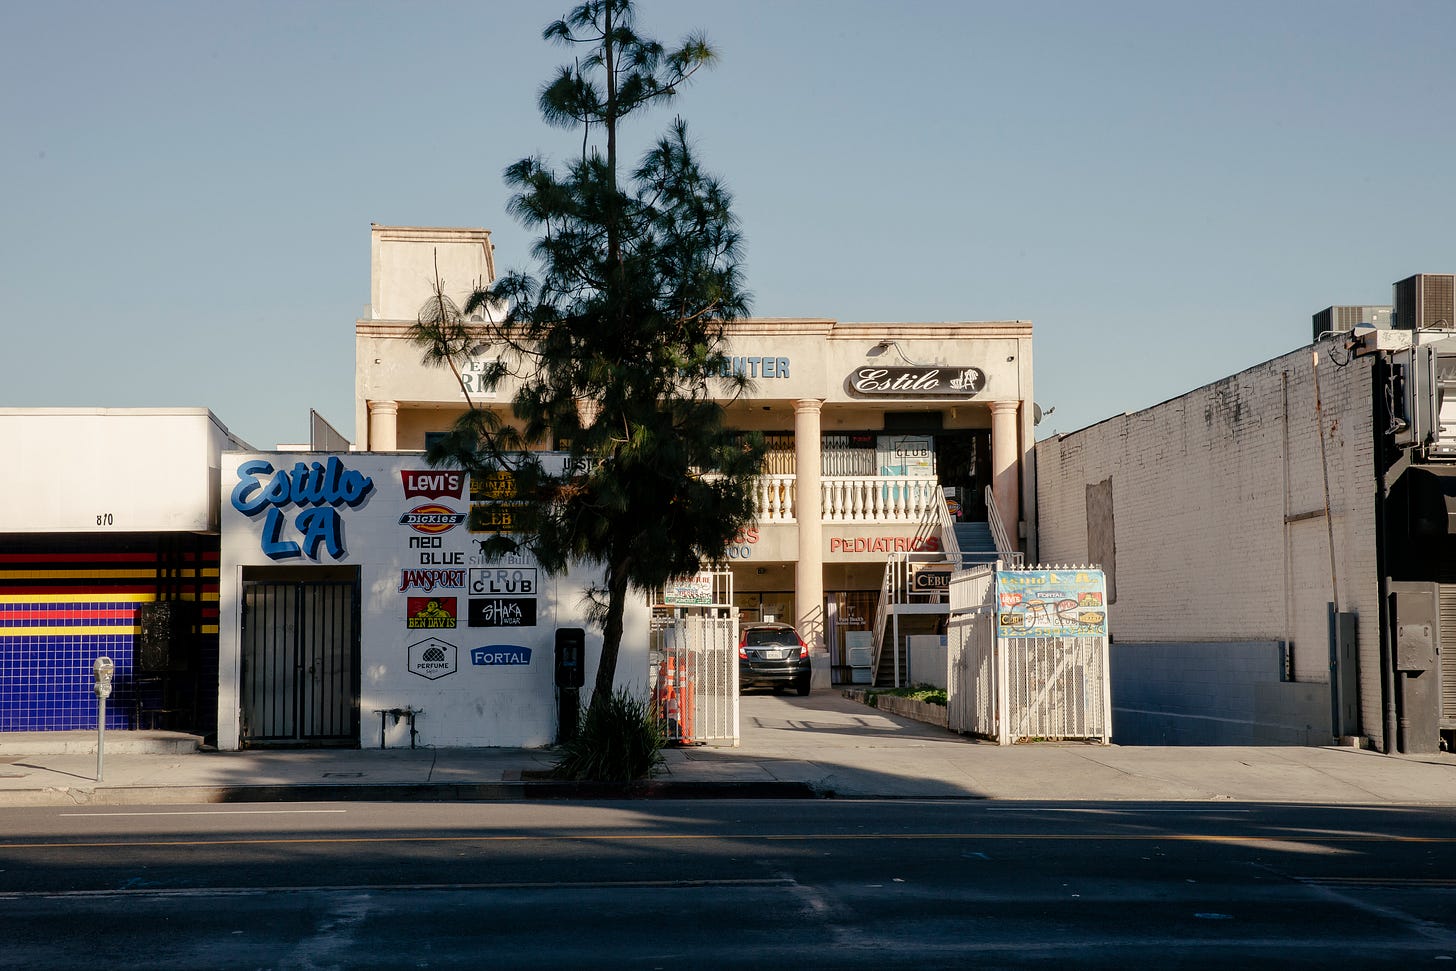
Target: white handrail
point(881, 616)
point(1004, 548)
point(897, 568)
point(949, 541)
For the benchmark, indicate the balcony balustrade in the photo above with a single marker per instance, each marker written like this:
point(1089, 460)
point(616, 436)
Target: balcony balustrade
point(850, 498)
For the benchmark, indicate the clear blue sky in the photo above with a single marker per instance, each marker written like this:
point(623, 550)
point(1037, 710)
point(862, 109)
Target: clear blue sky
point(1167, 191)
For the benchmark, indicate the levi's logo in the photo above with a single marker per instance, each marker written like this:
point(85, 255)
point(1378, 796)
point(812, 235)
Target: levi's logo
point(432, 483)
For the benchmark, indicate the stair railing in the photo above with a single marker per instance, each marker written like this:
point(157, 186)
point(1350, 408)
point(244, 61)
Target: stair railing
point(950, 544)
point(882, 614)
point(1004, 548)
point(896, 580)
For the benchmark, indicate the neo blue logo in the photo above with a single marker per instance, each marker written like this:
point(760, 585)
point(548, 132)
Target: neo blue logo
point(500, 654)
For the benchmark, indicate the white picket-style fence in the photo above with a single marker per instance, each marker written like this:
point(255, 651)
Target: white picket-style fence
point(1018, 688)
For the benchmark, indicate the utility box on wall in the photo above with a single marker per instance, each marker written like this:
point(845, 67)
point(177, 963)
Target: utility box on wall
point(1415, 639)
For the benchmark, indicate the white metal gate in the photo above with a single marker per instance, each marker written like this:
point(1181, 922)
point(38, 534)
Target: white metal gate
point(694, 661)
point(1010, 683)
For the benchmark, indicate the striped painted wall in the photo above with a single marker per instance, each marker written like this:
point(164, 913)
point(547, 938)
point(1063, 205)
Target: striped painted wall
point(64, 601)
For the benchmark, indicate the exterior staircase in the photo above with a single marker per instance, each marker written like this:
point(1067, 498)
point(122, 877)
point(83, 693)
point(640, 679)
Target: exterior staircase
point(910, 624)
point(964, 544)
point(976, 542)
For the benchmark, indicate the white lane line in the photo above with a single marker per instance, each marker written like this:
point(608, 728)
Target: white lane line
point(1104, 811)
point(749, 883)
point(219, 812)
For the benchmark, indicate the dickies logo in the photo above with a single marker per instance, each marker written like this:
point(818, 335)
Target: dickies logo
point(432, 484)
point(432, 518)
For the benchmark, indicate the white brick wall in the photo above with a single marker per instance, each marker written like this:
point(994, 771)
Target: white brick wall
point(1202, 485)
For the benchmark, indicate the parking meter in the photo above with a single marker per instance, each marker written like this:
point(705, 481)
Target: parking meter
point(102, 671)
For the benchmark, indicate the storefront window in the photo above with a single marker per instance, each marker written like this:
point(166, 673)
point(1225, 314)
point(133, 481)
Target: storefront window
point(768, 608)
point(852, 454)
point(852, 625)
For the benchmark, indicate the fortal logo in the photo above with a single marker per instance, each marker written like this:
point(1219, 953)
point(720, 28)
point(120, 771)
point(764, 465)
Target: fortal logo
point(431, 519)
point(432, 484)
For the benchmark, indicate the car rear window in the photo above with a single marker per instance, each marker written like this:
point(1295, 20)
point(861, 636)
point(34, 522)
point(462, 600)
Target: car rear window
point(763, 638)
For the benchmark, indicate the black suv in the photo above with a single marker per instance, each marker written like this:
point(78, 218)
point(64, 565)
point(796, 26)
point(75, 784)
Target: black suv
point(773, 654)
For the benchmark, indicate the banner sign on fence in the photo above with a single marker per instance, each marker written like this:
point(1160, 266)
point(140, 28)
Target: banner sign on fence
point(1051, 603)
point(689, 591)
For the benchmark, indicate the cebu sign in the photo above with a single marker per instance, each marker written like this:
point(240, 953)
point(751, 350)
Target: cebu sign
point(941, 381)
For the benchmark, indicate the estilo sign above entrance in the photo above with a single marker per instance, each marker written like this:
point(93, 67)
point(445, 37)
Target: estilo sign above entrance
point(940, 381)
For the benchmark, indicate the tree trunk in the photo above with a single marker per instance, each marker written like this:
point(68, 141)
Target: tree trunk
point(611, 632)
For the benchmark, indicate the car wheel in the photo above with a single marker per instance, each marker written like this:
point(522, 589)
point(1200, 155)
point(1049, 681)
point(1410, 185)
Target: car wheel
point(801, 687)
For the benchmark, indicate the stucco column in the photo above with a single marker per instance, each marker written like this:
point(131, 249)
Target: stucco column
point(1004, 460)
point(383, 426)
point(809, 572)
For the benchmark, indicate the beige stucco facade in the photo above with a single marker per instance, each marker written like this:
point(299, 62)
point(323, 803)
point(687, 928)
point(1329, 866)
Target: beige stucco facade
point(834, 399)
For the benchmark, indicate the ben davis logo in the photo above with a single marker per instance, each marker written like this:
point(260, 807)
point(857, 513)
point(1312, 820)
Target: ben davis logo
point(432, 518)
point(430, 613)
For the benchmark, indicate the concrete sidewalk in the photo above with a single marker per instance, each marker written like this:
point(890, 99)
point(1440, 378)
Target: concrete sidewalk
point(823, 745)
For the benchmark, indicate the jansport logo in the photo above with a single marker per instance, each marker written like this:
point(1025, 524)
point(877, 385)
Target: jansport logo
point(432, 519)
point(428, 580)
point(432, 484)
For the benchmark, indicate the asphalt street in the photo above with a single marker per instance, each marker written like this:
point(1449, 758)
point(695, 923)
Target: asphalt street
point(844, 883)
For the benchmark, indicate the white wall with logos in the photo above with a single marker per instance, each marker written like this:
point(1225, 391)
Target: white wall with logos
point(443, 630)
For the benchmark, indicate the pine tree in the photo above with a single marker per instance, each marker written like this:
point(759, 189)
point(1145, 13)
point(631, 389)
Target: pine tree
point(616, 342)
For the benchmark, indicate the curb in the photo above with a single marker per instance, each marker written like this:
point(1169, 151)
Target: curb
point(508, 791)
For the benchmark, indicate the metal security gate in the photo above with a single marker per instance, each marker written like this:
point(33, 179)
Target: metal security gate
point(694, 661)
point(300, 663)
point(1028, 654)
point(1447, 646)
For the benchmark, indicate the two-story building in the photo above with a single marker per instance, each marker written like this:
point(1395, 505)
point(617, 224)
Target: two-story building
point(870, 426)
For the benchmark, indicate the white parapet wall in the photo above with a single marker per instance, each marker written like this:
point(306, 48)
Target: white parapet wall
point(110, 470)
